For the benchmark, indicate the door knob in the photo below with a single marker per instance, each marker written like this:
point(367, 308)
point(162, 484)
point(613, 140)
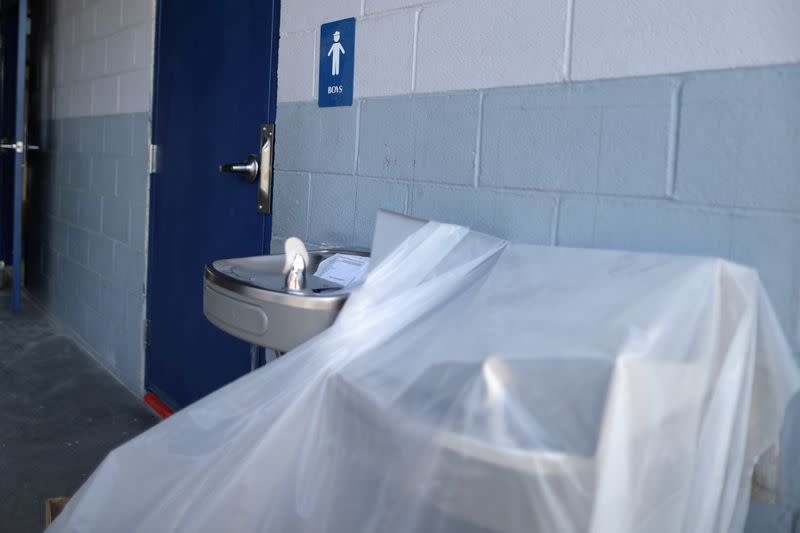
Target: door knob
point(248, 169)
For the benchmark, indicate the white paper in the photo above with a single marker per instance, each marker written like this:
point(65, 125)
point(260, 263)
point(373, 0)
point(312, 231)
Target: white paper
point(343, 269)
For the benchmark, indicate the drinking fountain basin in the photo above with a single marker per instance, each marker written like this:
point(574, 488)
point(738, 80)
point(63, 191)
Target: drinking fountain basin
point(249, 298)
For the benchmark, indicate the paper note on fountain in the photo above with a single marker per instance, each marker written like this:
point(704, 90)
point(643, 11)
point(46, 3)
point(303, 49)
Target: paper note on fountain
point(343, 269)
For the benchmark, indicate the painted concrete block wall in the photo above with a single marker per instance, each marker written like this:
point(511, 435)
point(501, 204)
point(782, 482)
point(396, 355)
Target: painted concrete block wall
point(90, 107)
point(420, 46)
point(460, 93)
point(617, 38)
point(85, 258)
point(95, 57)
point(634, 164)
point(650, 125)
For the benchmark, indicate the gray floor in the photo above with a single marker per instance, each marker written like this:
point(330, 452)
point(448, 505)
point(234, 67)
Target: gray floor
point(60, 414)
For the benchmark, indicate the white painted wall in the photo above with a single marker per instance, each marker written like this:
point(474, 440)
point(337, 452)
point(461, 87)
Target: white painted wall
point(420, 46)
point(96, 59)
point(618, 38)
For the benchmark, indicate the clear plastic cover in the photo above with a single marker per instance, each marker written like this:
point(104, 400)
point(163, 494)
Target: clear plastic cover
point(474, 385)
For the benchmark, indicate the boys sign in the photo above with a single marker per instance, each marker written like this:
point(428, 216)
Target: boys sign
point(337, 46)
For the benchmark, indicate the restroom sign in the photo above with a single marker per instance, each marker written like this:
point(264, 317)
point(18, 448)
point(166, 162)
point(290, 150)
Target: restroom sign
point(337, 47)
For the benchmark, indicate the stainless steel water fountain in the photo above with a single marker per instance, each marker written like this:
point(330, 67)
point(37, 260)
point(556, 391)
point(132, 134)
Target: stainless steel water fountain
point(258, 301)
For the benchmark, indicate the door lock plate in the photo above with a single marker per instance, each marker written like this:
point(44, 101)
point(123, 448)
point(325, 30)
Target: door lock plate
point(267, 155)
point(258, 167)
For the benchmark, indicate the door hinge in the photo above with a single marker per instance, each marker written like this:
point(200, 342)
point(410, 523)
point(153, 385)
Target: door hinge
point(154, 161)
point(146, 333)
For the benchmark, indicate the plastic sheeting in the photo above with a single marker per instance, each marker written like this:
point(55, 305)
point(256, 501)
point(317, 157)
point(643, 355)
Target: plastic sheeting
point(476, 385)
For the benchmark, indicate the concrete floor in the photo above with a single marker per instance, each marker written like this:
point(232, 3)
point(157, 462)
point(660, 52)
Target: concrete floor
point(60, 414)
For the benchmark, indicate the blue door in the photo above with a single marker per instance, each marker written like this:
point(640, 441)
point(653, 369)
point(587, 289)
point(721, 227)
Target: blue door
point(13, 147)
point(215, 85)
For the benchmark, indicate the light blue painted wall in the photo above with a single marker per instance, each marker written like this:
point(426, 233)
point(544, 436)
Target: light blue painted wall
point(85, 262)
point(705, 163)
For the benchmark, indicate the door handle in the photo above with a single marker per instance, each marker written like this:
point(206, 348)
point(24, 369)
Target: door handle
point(18, 146)
point(248, 169)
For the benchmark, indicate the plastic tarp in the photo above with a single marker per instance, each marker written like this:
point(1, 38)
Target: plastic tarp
point(472, 384)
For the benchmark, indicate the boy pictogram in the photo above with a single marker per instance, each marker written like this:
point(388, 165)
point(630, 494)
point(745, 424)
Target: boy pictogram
point(335, 50)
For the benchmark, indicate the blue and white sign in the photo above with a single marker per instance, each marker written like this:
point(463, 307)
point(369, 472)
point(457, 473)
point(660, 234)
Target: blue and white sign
point(337, 47)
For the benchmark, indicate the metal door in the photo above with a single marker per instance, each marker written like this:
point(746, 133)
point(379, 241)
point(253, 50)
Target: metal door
point(13, 142)
point(215, 86)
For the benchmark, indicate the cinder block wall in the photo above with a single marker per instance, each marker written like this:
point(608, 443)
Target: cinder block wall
point(649, 125)
point(90, 111)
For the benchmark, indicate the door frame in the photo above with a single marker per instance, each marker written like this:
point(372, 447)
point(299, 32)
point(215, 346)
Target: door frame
point(21, 156)
point(271, 99)
point(17, 106)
